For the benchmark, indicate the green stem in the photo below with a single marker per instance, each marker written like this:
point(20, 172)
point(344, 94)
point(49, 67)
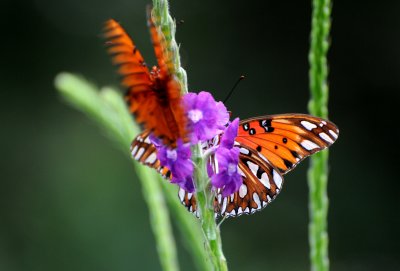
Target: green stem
point(189, 227)
point(204, 195)
point(205, 205)
point(318, 105)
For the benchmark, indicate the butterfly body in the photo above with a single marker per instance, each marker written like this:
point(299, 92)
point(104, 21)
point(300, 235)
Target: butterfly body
point(270, 146)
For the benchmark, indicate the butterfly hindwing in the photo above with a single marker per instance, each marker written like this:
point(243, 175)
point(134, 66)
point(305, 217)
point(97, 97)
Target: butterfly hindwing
point(145, 152)
point(261, 184)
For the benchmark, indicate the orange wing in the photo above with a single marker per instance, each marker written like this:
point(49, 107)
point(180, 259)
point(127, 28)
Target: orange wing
point(163, 55)
point(154, 97)
point(270, 146)
point(285, 140)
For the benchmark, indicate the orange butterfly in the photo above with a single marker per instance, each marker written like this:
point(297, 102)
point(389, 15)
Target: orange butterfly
point(270, 146)
point(154, 97)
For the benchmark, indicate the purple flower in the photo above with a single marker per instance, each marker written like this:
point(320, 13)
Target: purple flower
point(185, 183)
point(227, 177)
point(179, 162)
point(228, 138)
point(206, 117)
point(157, 142)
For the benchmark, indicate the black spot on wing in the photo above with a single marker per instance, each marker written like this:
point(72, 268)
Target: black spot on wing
point(288, 164)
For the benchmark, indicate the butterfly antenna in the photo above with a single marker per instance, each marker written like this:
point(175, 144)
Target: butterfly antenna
point(233, 88)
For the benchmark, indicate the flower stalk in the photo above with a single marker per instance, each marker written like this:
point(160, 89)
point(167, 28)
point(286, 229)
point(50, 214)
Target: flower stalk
point(204, 194)
point(205, 199)
point(318, 106)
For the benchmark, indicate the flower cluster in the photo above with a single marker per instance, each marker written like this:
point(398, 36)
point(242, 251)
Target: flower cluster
point(208, 122)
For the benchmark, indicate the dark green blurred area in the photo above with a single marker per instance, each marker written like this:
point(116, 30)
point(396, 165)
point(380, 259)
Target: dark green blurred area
point(70, 201)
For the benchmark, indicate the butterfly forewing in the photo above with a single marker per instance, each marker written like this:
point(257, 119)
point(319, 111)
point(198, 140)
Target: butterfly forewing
point(134, 71)
point(163, 55)
point(285, 140)
point(154, 97)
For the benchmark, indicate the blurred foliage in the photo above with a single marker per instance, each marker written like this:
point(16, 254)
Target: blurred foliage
point(70, 201)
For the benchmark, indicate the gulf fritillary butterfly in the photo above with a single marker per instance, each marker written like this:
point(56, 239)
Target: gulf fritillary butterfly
point(154, 97)
point(270, 146)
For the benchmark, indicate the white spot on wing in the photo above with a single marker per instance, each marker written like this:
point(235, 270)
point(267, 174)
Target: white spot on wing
point(325, 137)
point(152, 158)
point(246, 210)
point(242, 191)
point(244, 151)
point(139, 153)
point(189, 195)
point(308, 125)
point(333, 134)
point(253, 167)
point(134, 150)
point(308, 145)
point(265, 180)
point(181, 194)
point(256, 199)
point(240, 211)
point(224, 205)
point(277, 178)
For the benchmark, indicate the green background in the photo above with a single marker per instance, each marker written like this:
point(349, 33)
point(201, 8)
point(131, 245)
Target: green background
point(70, 201)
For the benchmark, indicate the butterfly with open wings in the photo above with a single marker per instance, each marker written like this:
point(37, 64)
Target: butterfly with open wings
point(270, 146)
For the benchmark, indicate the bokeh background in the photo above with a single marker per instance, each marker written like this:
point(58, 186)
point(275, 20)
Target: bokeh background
point(70, 201)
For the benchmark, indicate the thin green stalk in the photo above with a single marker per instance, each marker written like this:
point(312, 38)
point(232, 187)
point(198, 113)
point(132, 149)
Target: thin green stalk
point(204, 196)
point(108, 109)
point(205, 200)
point(318, 105)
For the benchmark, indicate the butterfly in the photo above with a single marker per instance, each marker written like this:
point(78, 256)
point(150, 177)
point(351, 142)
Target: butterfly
point(270, 146)
point(153, 96)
